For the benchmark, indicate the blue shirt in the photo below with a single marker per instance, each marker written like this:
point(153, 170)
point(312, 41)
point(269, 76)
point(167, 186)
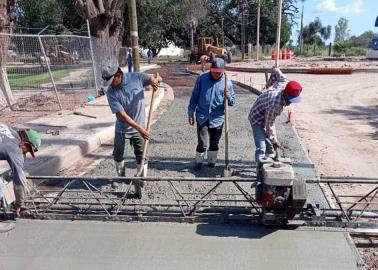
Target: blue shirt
point(129, 97)
point(207, 100)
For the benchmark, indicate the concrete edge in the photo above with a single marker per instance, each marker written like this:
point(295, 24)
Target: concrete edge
point(72, 154)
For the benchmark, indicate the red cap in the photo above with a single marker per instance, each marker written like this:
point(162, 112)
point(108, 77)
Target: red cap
point(293, 89)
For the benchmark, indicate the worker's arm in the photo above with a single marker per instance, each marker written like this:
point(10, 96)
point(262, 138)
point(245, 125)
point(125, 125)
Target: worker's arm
point(124, 117)
point(194, 101)
point(231, 94)
point(277, 79)
point(270, 117)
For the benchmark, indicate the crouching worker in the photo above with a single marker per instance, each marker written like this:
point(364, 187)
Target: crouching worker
point(14, 145)
point(280, 92)
point(207, 102)
point(126, 100)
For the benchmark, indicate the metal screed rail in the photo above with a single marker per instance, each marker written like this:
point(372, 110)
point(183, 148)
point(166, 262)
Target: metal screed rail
point(60, 197)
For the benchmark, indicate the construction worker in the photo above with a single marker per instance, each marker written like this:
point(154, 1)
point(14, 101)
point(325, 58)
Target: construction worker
point(14, 145)
point(126, 100)
point(207, 102)
point(280, 92)
point(130, 61)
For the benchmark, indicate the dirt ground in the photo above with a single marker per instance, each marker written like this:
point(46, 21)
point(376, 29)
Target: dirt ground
point(337, 122)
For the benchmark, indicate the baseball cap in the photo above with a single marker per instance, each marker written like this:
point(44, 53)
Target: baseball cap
point(293, 90)
point(217, 65)
point(107, 74)
point(34, 139)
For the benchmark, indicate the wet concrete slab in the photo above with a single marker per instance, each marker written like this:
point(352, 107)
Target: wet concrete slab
point(100, 245)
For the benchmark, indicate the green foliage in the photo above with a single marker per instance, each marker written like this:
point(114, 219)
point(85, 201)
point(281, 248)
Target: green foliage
point(37, 14)
point(316, 33)
point(364, 40)
point(341, 30)
point(342, 46)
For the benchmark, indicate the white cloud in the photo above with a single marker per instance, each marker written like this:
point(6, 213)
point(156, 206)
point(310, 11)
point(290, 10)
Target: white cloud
point(354, 7)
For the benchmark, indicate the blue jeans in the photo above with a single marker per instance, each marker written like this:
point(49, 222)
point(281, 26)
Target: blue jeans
point(130, 67)
point(263, 144)
point(136, 141)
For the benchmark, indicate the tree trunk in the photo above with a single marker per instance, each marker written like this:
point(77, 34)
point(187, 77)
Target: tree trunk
point(105, 20)
point(191, 36)
point(6, 24)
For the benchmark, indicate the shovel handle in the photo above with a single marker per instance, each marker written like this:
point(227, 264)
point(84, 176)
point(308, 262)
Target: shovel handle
point(148, 128)
point(226, 120)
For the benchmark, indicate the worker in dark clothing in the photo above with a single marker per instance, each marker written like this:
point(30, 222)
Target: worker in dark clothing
point(14, 145)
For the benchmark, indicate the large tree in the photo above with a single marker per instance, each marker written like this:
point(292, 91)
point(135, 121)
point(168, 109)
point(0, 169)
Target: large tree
point(6, 26)
point(341, 30)
point(105, 20)
point(315, 33)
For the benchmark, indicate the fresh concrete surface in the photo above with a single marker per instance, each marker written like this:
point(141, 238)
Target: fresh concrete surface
point(78, 135)
point(100, 245)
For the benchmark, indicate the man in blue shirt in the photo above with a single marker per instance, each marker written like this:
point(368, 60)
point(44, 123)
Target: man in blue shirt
point(207, 102)
point(126, 100)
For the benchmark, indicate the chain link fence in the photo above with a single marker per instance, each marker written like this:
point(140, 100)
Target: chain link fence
point(49, 72)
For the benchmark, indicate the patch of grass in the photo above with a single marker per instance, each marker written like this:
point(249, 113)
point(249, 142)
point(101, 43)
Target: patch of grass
point(35, 80)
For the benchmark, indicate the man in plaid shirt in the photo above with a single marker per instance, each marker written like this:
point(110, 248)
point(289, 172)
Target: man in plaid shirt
point(280, 92)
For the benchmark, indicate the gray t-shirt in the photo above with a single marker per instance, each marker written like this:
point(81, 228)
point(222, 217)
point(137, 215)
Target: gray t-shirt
point(129, 97)
point(10, 151)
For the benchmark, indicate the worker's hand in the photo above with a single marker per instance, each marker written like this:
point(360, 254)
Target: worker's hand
point(276, 146)
point(144, 133)
point(227, 94)
point(191, 120)
point(154, 81)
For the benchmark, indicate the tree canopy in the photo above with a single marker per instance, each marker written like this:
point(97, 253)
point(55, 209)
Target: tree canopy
point(341, 30)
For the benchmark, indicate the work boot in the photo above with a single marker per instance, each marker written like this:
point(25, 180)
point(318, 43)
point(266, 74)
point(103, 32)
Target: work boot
point(212, 158)
point(200, 157)
point(120, 167)
point(144, 172)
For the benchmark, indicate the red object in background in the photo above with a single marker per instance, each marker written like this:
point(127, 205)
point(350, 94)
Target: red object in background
point(274, 55)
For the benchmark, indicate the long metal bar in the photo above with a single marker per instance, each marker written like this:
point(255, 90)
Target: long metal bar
point(247, 196)
point(202, 179)
point(85, 183)
point(148, 179)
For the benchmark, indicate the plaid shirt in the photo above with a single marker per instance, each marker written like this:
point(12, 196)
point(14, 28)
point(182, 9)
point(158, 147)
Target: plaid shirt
point(269, 105)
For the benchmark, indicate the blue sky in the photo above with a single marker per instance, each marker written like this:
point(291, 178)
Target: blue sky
point(360, 14)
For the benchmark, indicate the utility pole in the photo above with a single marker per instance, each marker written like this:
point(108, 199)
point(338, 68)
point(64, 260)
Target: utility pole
point(278, 38)
point(134, 34)
point(258, 30)
point(301, 33)
point(243, 7)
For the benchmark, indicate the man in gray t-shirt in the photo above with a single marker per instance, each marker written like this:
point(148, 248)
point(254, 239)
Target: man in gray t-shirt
point(126, 100)
point(14, 145)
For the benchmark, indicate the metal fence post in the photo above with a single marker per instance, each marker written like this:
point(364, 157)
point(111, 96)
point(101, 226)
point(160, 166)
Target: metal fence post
point(92, 56)
point(48, 67)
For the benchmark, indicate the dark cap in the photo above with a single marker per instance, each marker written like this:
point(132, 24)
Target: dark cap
point(217, 65)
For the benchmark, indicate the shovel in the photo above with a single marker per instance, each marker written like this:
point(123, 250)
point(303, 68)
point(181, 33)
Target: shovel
point(227, 172)
point(138, 184)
